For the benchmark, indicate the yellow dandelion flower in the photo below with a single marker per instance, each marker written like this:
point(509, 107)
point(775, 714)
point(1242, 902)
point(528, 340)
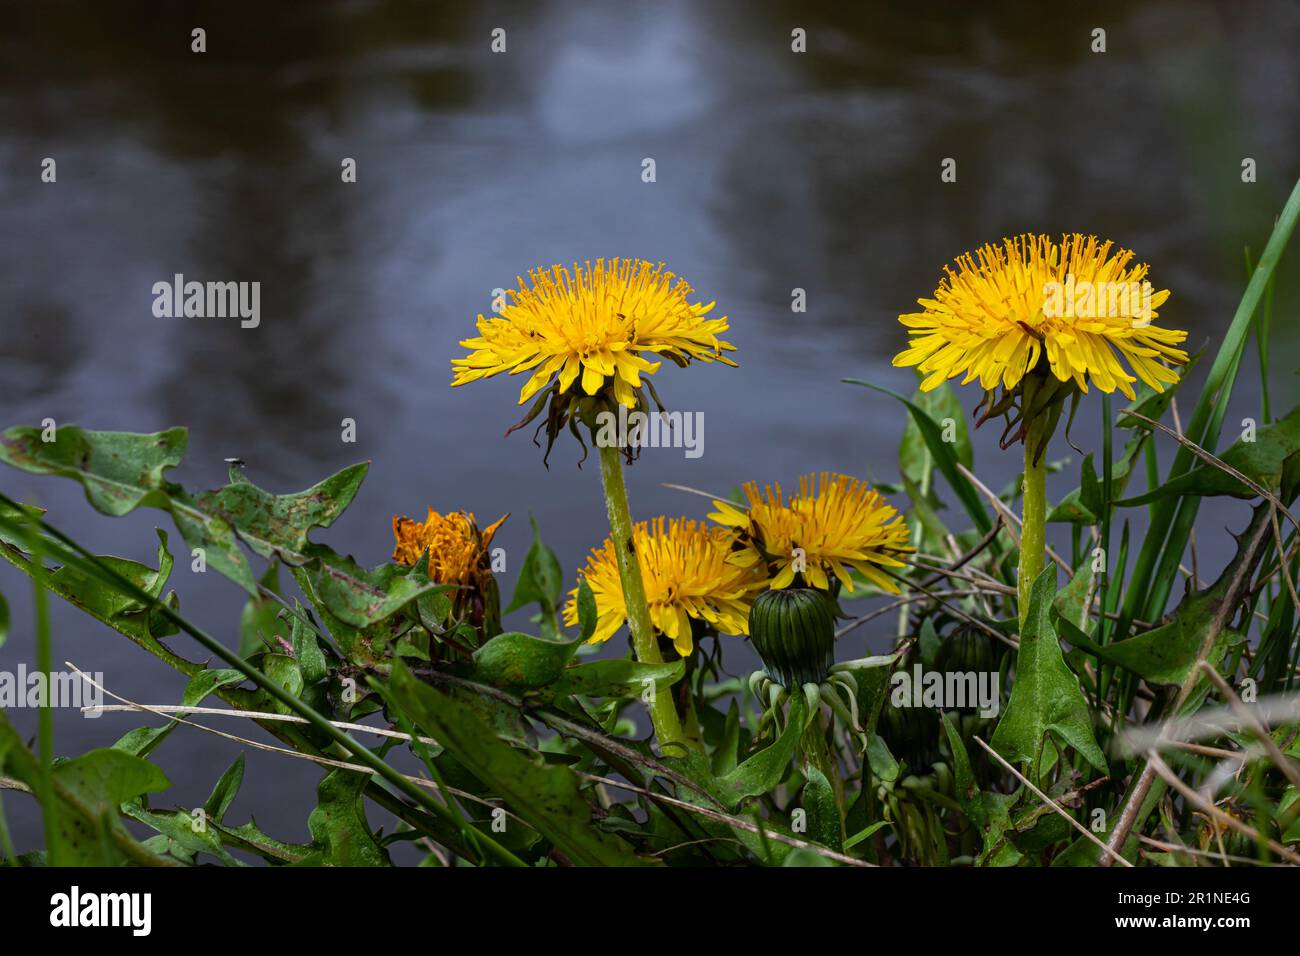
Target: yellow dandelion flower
point(834, 523)
point(459, 553)
point(1078, 304)
point(687, 573)
point(594, 328)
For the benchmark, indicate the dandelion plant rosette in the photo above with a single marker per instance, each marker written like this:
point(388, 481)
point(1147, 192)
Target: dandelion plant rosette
point(589, 339)
point(1036, 322)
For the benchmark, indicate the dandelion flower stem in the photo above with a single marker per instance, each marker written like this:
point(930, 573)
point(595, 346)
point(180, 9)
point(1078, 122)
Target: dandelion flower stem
point(1033, 540)
point(817, 753)
point(663, 714)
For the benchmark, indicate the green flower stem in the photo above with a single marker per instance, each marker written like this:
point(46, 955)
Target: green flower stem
point(45, 717)
point(815, 752)
point(1033, 534)
point(667, 725)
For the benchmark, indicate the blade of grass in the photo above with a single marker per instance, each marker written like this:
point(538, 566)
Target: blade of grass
point(6, 842)
point(945, 458)
point(1156, 568)
point(1110, 614)
point(45, 715)
point(1107, 491)
point(1262, 329)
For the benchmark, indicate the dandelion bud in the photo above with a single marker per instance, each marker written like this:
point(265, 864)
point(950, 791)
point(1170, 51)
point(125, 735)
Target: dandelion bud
point(793, 630)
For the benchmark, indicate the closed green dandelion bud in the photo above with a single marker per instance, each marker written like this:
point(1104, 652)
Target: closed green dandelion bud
point(793, 630)
point(968, 652)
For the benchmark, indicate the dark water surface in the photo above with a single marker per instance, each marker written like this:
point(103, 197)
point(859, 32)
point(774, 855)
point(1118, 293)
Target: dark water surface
point(775, 171)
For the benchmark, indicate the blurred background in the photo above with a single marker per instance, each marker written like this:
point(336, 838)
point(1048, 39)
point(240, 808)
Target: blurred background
point(775, 171)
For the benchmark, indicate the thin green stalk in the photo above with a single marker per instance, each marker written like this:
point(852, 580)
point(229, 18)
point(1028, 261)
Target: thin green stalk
point(1033, 538)
point(63, 549)
point(45, 716)
point(1033, 520)
point(662, 712)
point(817, 753)
point(1117, 573)
point(1107, 495)
point(1151, 459)
point(1265, 323)
point(1262, 333)
point(1107, 578)
point(6, 842)
point(1261, 339)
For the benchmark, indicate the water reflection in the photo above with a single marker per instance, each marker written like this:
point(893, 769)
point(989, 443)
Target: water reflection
point(774, 172)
